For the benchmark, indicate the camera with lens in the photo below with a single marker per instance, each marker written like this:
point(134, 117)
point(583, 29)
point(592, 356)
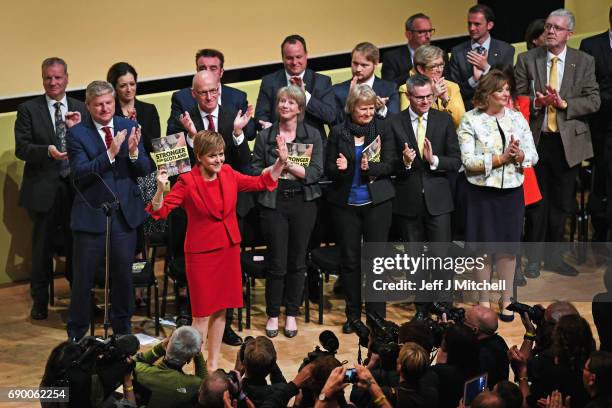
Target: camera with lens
point(384, 338)
point(329, 347)
point(535, 313)
point(437, 326)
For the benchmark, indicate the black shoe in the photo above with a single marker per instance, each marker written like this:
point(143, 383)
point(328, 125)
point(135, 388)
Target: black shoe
point(355, 326)
point(519, 277)
point(290, 333)
point(230, 337)
point(564, 269)
point(183, 320)
point(532, 270)
point(38, 312)
point(346, 328)
point(420, 315)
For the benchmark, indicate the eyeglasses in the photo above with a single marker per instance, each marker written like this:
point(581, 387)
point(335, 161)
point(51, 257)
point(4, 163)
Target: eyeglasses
point(422, 98)
point(209, 93)
point(421, 32)
point(434, 66)
point(555, 28)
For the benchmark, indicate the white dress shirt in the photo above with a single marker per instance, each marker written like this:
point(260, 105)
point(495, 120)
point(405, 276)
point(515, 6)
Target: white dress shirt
point(215, 117)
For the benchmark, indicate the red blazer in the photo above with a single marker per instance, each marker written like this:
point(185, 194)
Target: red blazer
point(205, 225)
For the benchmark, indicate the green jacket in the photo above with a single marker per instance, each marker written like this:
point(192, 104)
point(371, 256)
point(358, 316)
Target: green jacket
point(169, 387)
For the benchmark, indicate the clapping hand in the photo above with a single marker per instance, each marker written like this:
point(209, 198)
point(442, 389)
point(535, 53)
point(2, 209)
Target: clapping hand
point(56, 154)
point(132, 114)
point(241, 120)
point(352, 84)
point(440, 89)
point(408, 155)
point(281, 149)
point(341, 162)
point(72, 118)
point(264, 124)
point(380, 102)
point(428, 152)
point(555, 400)
point(478, 60)
point(133, 141)
point(364, 163)
point(117, 142)
point(297, 81)
point(187, 123)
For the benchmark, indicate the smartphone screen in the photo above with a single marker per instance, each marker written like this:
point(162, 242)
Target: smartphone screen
point(473, 387)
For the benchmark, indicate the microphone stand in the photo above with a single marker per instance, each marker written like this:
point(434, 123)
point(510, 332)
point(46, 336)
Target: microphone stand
point(108, 212)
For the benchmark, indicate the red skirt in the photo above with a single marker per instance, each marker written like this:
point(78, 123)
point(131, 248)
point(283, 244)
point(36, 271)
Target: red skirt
point(215, 280)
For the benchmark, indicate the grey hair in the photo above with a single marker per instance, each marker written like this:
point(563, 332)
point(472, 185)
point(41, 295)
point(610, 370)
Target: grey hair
point(359, 93)
point(184, 344)
point(97, 88)
point(417, 81)
point(426, 54)
point(409, 25)
point(54, 61)
point(571, 20)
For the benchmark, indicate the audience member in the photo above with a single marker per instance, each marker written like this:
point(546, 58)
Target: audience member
point(429, 61)
point(602, 313)
point(364, 59)
point(427, 152)
point(288, 214)
point(488, 399)
point(510, 394)
point(105, 161)
point(398, 63)
point(210, 60)
point(320, 105)
point(360, 193)
point(495, 143)
point(535, 35)
point(562, 101)
point(46, 190)
point(600, 124)
point(472, 59)
point(212, 390)
point(164, 383)
point(597, 377)
point(493, 350)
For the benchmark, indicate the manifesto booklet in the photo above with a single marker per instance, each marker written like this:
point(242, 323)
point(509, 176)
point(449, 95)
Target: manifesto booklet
point(372, 151)
point(170, 153)
point(298, 153)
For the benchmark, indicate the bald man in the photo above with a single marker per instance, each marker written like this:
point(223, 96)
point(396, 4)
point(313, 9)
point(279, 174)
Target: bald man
point(493, 348)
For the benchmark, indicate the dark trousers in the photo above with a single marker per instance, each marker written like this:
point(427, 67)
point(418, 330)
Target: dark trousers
point(557, 182)
point(372, 222)
point(47, 227)
point(287, 232)
point(89, 250)
point(427, 228)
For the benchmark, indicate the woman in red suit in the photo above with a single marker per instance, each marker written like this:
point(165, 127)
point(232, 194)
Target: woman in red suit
point(212, 243)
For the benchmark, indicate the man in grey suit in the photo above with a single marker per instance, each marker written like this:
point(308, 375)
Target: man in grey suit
point(46, 191)
point(561, 83)
point(471, 59)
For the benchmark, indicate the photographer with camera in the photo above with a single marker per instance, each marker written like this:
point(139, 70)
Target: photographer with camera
point(93, 369)
point(165, 384)
point(457, 361)
point(332, 393)
point(493, 350)
point(259, 361)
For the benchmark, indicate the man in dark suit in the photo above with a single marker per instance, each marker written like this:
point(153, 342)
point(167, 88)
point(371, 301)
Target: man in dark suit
point(429, 150)
point(182, 101)
point(471, 59)
point(364, 59)
point(398, 63)
point(600, 47)
point(320, 104)
point(236, 128)
point(106, 156)
point(46, 191)
point(561, 83)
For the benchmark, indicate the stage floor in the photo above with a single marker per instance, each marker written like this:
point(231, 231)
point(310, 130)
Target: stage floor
point(25, 344)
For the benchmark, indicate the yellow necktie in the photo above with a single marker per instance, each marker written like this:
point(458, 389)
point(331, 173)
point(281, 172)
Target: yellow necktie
point(552, 82)
point(421, 135)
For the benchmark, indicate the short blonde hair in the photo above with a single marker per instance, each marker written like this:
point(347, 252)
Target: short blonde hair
point(425, 54)
point(495, 79)
point(412, 361)
point(206, 141)
point(295, 93)
point(360, 93)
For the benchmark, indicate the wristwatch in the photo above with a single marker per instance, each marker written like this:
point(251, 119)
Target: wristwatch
point(323, 397)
